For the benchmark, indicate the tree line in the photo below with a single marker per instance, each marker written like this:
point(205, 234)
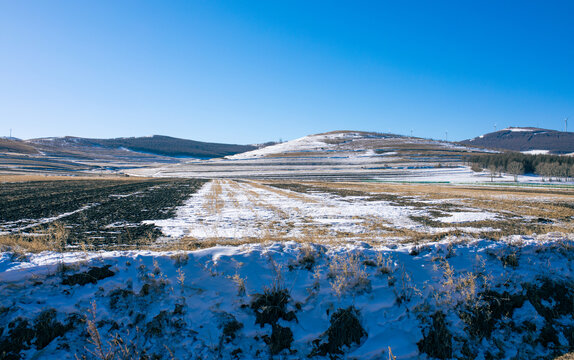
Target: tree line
point(515, 163)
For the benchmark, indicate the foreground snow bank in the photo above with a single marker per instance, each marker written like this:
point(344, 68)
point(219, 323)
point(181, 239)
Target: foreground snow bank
point(454, 299)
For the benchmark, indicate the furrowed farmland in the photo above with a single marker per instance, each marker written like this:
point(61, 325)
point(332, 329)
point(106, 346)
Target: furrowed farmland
point(97, 212)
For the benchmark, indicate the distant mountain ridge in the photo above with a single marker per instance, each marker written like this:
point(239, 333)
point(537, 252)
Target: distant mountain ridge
point(156, 145)
point(526, 139)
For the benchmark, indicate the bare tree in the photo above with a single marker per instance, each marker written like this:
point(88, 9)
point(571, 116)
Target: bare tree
point(492, 170)
point(545, 170)
point(516, 168)
point(476, 167)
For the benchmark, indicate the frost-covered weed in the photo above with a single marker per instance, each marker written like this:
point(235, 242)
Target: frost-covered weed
point(347, 273)
point(240, 283)
point(180, 259)
point(385, 264)
point(406, 289)
point(308, 256)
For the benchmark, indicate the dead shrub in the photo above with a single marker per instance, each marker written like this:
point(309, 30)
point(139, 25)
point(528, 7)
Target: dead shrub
point(348, 274)
point(89, 277)
point(345, 331)
point(510, 260)
point(21, 334)
point(482, 315)
point(180, 258)
point(307, 257)
point(121, 298)
point(18, 338)
point(558, 293)
point(271, 306)
point(47, 328)
point(230, 327)
point(437, 339)
point(280, 339)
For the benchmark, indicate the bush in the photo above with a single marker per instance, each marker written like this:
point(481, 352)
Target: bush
point(437, 339)
point(345, 330)
point(271, 306)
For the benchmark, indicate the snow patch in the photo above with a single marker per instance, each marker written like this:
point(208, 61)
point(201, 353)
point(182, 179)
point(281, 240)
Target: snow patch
point(536, 152)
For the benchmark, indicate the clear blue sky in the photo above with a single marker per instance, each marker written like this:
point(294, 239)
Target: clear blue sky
point(254, 71)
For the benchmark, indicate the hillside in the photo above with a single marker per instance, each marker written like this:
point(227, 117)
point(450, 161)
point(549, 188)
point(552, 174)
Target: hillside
point(336, 155)
point(157, 145)
point(528, 139)
point(11, 145)
point(73, 155)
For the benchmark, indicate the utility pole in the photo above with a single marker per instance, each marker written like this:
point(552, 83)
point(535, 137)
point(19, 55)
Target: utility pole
point(494, 127)
point(411, 133)
point(566, 125)
point(10, 133)
point(446, 136)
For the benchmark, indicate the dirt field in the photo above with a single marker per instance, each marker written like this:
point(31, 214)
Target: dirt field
point(97, 211)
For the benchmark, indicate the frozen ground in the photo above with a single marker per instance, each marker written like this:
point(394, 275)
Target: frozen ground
point(510, 299)
point(240, 210)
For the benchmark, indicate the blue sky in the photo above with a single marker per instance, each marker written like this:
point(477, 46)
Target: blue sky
point(255, 71)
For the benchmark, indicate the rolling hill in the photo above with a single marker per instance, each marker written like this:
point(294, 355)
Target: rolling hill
point(336, 155)
point(527, 139)
point(70, 155)
point(155, 145)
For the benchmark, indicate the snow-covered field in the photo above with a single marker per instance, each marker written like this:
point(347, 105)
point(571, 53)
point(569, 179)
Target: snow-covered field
point(505, 300)
point(233, 210)
point(323, 270)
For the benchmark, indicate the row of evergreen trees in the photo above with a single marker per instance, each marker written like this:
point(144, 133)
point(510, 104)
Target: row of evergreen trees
point(547, 166)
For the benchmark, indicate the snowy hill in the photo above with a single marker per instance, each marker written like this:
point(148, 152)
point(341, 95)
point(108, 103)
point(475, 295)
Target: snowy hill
point(527, 139)
point(347, 142)
point(337, 155)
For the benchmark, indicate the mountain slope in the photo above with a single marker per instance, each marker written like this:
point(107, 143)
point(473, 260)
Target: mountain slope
point(66, 155)
point(157, 145)
point(11, 145)
point(526, 139)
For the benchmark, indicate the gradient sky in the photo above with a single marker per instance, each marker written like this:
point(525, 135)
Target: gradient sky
point(255, 71)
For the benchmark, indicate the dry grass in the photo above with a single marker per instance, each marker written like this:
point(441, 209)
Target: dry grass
point(52, 239)
point(21, 244)
point(214, 203)
point(283, 193)
point(513, 206)
point(348, 274)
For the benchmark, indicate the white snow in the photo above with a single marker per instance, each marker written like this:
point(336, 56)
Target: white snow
point(208, 295)
point(306, 143)
point(30, 223)
point(536, 152)
point(248, 210)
